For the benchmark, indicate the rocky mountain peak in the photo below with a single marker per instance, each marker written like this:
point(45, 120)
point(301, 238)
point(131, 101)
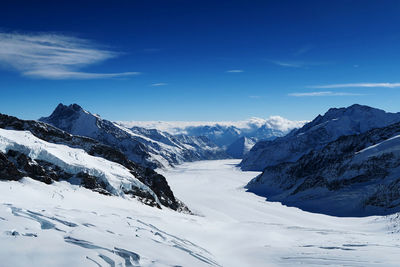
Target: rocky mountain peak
point(352, 110)
point(66, 110)
point(63, 112)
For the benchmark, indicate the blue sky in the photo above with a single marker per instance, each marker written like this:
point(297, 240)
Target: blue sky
point(198, 60)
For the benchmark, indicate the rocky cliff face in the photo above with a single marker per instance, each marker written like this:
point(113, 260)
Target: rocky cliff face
point(314, 135)
point(15, 165)
point(355, 175)
point(150, 148)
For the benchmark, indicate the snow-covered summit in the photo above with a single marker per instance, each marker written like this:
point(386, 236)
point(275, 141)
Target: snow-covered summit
point(73, 119)
point(314, 135)
point(353, 119)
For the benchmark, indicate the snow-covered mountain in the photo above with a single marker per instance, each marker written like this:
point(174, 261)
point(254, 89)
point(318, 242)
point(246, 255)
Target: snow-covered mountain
point(316, 134)
point(150, 148)
point(240, 147)
point(47, 154)
point(225, 134)
point(356, 175)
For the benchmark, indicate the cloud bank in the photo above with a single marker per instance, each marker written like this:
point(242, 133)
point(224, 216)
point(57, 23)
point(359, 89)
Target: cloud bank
point(53, 56)
point(179, 127)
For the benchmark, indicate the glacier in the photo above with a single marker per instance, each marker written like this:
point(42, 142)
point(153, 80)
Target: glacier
point(66, 225)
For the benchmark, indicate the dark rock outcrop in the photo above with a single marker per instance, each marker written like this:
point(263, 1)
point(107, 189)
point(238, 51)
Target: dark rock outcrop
point(8, 170)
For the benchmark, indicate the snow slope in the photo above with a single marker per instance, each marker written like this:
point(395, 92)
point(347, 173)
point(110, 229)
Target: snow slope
point(65, 225)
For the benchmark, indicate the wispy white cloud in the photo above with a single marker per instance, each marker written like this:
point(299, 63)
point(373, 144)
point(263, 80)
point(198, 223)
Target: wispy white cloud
point(158, 84)
point(62, 74)
point(296, 64)
point(290, 64)
point(234, 71)
point(361, 85)
point(326, 93)
point(53, 56)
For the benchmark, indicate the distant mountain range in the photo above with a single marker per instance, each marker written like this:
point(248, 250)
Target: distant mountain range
point(344, 163)
point(228, 136)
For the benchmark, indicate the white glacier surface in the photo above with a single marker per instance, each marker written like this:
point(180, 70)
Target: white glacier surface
point(66, 225)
